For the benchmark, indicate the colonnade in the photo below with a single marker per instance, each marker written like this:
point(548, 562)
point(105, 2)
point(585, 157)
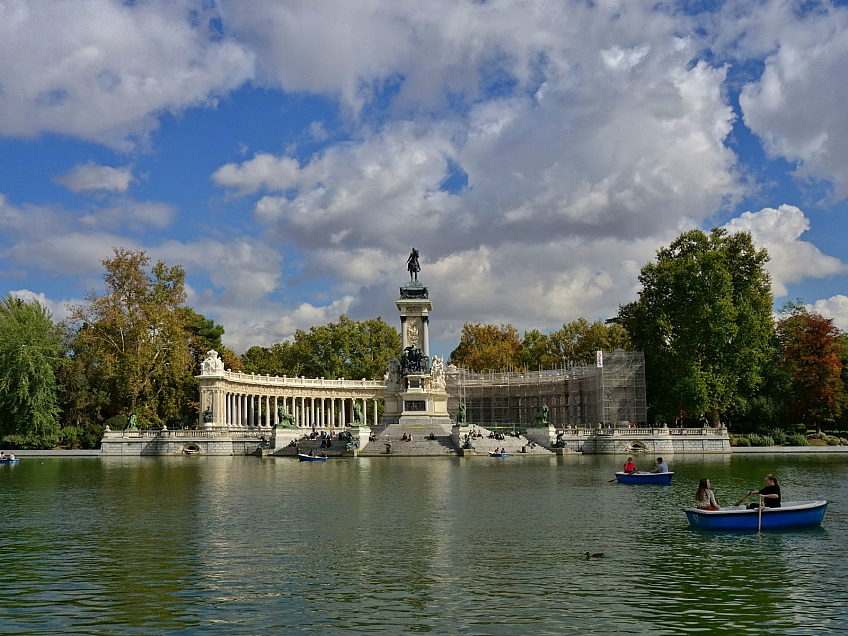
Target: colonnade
point(251, 410)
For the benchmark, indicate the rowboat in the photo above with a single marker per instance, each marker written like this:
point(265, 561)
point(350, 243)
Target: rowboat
point(791, 514)
point(492, 454)
point(310, 458)
point(6, 460)
point(644, 477)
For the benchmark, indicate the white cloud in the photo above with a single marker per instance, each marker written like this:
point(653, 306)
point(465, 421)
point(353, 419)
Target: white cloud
point(90, 177)
point(835, 307)
point(792, 260)
point(104, 70)
point(131, 214)
point(797, 106)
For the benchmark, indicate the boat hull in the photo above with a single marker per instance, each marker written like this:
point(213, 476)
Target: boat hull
point(793, 514)
point(498, 454)
point(644, 478)
point(9, 461)
point(309, 458)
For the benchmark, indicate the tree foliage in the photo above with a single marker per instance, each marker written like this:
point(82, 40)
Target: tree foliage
point(812, 361)
point(133, 339)
point(350, 349)
point(487, 347)
point(703, 319)
point(30, 352)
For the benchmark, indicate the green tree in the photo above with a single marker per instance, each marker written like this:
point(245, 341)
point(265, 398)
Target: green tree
point(350, 349)
point(703, 319)
point(487, 348)
point(576, 343)
point(812, 360)
point(30, 351)
point(133, 339)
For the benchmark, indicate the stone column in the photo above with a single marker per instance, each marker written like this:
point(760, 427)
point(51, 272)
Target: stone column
point(364, 412)
point(425, 335)
point(375, 412)
point(251, 403)
point(333, 421)
point(403, 332)
point(267, 411)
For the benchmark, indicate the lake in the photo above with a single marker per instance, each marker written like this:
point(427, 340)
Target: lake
point(241, 545)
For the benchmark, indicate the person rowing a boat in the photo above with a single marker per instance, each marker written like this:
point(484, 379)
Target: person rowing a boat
point(704, 497)
point(662, 467)
point(629, 466)
point(770, 494)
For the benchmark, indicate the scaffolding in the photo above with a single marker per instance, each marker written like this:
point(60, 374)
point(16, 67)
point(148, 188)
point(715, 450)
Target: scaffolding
point(612, 393)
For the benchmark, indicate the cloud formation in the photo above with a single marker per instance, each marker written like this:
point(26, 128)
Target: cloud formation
point(90, 177)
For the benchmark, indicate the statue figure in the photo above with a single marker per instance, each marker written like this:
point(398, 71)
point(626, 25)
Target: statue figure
point(541, 417)
point(212, 363)
point(414, 361)
point(461, 416)
point(412, 265)
point(284, 420)
point(131, 425)
point(393, 374)
point(357, 415)
point(437, 373)
point(207, 415)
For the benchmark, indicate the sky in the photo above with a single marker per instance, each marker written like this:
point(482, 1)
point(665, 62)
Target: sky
point(290, 153)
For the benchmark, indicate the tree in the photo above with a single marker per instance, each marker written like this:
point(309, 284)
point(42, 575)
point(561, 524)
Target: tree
point(487, 348)
point(347, 349)
point(30, 352)
point(703, 319)
point(812, 350)
point(133, 339)
point(576, 343)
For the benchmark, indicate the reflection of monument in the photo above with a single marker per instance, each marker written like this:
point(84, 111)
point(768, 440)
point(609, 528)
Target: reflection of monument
point(416, 396)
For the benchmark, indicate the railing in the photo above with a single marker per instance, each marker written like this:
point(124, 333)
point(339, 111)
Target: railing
point(180, 432)
point(641, 432)
point(235, 376)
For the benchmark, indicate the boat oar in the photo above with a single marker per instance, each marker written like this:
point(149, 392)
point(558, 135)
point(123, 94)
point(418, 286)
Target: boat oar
point(760, 514)
point(741, 500)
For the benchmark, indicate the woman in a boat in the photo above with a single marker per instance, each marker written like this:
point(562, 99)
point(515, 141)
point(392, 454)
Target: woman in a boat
point(771, 493)
point(629, 466)
point(704, 497)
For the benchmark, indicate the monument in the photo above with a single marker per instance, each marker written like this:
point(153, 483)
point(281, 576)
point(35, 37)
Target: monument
point(415, 384)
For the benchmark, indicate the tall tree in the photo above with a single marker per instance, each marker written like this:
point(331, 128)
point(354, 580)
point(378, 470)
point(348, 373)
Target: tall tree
point(576, 343)
point(487, 348)
point(30, 352)
point(703, 319)
point(812, 350)
point(134, 337)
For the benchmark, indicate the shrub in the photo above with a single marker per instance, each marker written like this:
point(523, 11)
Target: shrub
point(796, 440)
point(832, 441)
point(741, 440)
point(778, 436)
point(760, 440)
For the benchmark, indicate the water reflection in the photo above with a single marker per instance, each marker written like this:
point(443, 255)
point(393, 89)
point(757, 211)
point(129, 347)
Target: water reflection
point(249, 546)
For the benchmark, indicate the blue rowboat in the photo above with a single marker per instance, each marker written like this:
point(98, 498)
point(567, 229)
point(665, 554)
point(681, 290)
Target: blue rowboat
point(6, 460)
point(791, 514)
point(644, 477)
point(491, 454)
point(310, 458)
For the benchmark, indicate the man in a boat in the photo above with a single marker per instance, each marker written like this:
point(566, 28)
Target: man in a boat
point(770, 494)
point(662, 467)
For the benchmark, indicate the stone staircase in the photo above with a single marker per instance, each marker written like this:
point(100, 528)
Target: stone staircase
point(422, 446)
point(512, 445)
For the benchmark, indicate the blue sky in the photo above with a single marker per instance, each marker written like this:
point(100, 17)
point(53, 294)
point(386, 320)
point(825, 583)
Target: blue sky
point(289, 154)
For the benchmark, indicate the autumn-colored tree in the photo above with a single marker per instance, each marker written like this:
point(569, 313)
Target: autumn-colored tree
point(133, 339)
point(812, 349)
point(487, 348)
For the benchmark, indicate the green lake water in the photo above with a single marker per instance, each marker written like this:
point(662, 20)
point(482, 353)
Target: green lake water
point(241, 545)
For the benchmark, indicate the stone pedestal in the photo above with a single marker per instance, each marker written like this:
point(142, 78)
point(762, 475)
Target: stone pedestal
point(544, 435)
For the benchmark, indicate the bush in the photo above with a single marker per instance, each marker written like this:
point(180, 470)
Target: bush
point(796, 440)
point(741, 440)
point(832, 441)
point(760, 440)
point(778, 436)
